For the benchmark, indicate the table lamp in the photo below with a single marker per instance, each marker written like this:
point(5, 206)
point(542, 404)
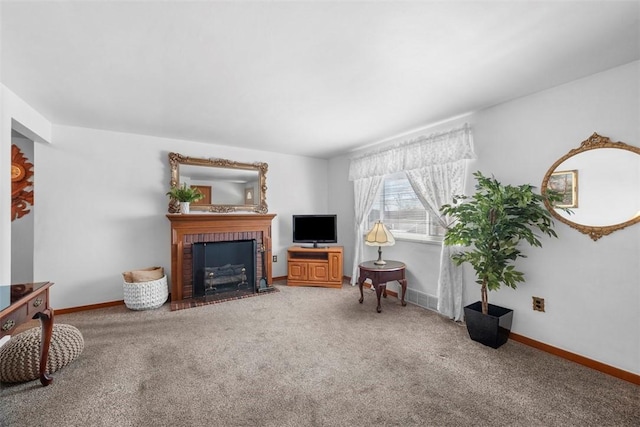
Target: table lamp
point(379, 236)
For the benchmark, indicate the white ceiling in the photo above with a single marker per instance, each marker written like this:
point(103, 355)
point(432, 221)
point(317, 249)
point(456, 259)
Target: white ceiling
point(314, 78)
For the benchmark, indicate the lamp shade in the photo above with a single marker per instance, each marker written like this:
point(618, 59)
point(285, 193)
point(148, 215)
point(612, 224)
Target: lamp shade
point(379, 235)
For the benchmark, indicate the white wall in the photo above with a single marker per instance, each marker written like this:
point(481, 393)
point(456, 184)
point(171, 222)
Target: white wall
point(102, 206)
point(591, 289)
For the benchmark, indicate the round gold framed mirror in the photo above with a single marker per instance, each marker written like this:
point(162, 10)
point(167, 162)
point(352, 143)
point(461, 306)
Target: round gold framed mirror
point(600, 185)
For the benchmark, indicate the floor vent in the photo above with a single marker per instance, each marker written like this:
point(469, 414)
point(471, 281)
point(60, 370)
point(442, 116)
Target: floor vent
point(421, 299)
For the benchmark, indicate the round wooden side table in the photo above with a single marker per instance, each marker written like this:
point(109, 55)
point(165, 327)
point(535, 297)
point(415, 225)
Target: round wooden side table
point(380, 275)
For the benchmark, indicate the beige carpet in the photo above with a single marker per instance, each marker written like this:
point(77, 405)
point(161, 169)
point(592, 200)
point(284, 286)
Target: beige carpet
point(309, 357)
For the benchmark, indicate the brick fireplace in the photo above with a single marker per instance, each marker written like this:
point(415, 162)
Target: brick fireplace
point(187, 229)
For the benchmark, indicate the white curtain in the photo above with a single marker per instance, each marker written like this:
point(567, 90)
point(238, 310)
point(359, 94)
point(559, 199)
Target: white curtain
point(365, 190)
point(436, 185)
point(435, 165)
point(436, 149)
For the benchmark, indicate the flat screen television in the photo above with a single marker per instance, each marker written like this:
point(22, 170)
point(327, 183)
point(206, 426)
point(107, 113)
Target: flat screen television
point(315, 229)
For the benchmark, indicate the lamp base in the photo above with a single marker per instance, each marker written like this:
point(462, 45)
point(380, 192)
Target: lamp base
point(380, 261)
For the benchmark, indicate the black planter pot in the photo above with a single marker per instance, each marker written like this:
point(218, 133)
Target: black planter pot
point(489, 329)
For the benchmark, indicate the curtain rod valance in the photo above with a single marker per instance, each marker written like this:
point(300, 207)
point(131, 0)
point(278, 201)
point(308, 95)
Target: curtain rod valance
point(425, 150)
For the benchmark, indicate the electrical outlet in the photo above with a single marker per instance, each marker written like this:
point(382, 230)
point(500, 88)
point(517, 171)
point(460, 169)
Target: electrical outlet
point(538, 304)
point(275, 258)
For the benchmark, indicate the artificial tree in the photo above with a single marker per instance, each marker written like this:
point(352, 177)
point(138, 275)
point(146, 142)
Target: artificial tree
point(490, 224)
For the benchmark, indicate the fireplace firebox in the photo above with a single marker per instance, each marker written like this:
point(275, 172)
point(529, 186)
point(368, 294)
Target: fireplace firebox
point(222, 267)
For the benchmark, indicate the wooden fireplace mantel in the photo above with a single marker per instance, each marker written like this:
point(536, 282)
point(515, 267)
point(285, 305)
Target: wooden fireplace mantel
point(186, 228)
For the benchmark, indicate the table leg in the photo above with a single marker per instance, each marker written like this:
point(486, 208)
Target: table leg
point(46, 324)
point(379, 290)
point(403, 283)
point(361, 280)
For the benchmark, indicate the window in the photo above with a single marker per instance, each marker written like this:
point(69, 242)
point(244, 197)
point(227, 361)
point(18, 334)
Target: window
point(399, 208)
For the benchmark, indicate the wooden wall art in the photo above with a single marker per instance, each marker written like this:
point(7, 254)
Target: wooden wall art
point(21, 183)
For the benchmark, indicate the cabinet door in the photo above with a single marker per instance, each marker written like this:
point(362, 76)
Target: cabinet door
point(297, 270)
point(318, 271)
point(335, 267)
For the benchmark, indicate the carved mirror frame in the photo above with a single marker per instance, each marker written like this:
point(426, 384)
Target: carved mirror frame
point(594, 142)
point(176, 159)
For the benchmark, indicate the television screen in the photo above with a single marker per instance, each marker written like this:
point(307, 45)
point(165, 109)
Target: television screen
point(315, 229)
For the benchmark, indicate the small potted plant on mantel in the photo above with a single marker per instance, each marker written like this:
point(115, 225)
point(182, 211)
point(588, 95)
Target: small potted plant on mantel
point(490, 226)
point(185, 196)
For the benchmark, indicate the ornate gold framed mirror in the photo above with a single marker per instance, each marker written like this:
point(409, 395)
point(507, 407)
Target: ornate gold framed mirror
point(600, 184)
point(228, 186)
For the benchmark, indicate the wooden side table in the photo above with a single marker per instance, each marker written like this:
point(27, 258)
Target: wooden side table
point(380, 275)
point(29, 301)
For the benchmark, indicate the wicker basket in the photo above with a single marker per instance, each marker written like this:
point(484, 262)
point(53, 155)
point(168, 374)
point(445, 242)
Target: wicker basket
point(146, 295)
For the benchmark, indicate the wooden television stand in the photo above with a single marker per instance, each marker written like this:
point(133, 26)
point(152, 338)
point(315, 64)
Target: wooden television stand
point(314, 266)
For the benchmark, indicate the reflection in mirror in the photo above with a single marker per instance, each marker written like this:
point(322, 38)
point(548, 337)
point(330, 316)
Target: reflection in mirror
point(600, 182)
point(228, 186)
